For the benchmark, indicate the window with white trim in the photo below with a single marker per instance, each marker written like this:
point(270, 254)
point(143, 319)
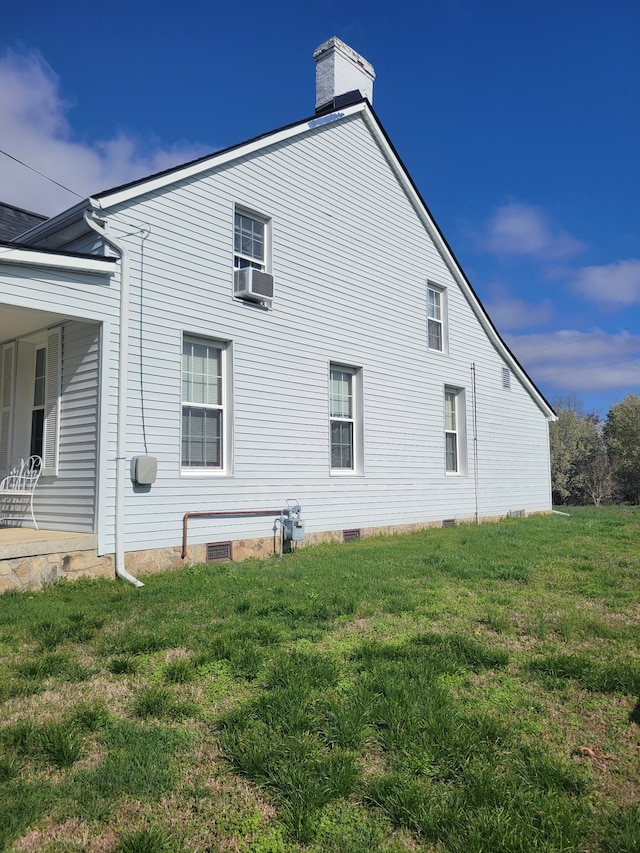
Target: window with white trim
point(454, 431)
point(204, 410)
point(250, 236)
point(39, 397)
point(436, 318)
point(7, 402)
point(30, 397)
point(345, 421)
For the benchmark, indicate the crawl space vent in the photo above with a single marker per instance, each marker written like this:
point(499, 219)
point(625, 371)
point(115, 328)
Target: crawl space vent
point(449, 522)
point(516, 513)
point(218, 552)
point(350, 535)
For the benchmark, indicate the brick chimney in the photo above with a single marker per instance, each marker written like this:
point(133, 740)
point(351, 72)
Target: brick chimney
point(341, 71)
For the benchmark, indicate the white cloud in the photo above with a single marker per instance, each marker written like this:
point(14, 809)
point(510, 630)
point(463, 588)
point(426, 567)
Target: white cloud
point(35, 129)
point(521, 229)
point(617, 283)
point(509, 313)
point(570, 361)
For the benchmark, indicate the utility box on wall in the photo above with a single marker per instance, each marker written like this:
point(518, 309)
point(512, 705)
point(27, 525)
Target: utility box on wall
point(144, 470)
point(294, 529)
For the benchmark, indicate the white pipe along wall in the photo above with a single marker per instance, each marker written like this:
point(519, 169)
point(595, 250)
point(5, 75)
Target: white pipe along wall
point(121, 413)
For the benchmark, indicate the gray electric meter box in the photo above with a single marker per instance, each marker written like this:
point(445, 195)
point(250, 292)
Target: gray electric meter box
point(144, 470)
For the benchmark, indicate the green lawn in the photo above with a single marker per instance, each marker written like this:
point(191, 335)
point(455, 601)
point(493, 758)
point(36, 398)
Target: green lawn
point(463, 690)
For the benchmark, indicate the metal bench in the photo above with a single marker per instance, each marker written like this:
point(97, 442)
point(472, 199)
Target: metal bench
point(17, 488)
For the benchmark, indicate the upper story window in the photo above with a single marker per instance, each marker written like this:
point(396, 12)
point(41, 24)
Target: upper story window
point(204, 409)
point(252, 278)
point(436, 318)
point(345, 419)
point(249, 241)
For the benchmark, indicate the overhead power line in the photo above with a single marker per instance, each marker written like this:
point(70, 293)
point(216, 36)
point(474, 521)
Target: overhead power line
point(42, 175)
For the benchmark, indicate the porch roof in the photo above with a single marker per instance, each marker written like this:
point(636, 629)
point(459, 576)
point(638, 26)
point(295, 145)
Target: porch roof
point(28, 264)
point(15, 253)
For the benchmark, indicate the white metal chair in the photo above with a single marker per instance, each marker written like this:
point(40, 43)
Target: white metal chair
point(18, 487)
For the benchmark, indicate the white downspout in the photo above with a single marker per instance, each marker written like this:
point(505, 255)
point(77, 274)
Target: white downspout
point(476, 486)
point(123, 373)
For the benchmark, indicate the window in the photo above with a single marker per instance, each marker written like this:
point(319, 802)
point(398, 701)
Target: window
point(345, 422)
point(454, 431)
point(30, 399)
point(249, 241)
point(436, 308)
point(7, 395)
point(37, 412)
point(204, 442)
point(341, 413)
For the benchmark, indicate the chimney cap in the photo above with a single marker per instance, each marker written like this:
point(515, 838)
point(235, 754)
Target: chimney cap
point(338, 44)
point(339, 70)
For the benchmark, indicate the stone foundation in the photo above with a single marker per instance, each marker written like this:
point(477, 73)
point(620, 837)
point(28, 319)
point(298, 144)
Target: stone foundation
point(35, 572)
point(161, 559)
point(25, 571)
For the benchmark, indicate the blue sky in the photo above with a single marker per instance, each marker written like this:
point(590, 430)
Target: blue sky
point(518, 120)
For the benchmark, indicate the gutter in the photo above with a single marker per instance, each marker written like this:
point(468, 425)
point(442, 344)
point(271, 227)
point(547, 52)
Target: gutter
point(15, 253)
point(123, 374)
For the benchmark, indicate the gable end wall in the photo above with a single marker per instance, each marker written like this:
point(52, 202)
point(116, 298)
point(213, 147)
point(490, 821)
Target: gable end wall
point(350, 259)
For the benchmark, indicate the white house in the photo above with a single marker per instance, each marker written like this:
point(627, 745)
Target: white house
point(279, 321)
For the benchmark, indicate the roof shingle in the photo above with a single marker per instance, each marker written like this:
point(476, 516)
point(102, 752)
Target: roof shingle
point(15, 221)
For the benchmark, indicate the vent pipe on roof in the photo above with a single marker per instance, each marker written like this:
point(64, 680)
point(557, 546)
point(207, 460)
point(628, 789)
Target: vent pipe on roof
point(340, 71)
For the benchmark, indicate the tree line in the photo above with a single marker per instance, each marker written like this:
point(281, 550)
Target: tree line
point(595, 461)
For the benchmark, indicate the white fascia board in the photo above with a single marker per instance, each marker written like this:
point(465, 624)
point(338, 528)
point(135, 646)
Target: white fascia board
point(453, 265)
point(105, 201)
point(10, 255)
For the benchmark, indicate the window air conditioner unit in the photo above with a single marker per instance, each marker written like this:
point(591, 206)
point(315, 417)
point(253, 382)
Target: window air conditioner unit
point(252, 284)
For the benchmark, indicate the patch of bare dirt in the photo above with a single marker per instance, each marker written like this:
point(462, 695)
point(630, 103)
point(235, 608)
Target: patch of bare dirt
point(52, 704)
point(176, 654)
point(358, 626)
point(74, 834)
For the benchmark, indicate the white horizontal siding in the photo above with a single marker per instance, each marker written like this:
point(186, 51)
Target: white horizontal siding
point(68, 501)
point(351, 259)
point(71, 294)
point(83, 303)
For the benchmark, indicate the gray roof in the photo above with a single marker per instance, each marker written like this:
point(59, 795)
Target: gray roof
point(15, 221)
